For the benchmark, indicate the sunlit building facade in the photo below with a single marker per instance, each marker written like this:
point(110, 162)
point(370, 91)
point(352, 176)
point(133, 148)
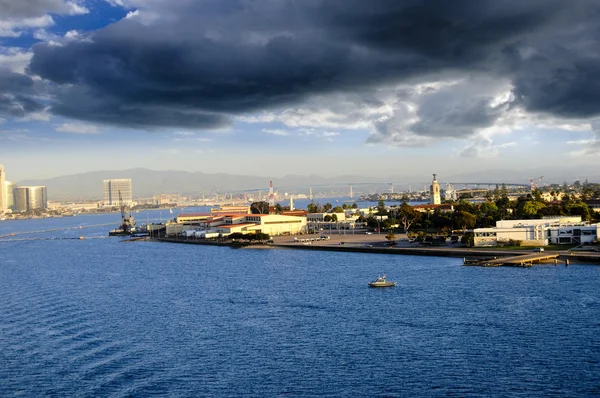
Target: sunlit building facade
point(111, 192)
point(30, 198)
point(9, 192)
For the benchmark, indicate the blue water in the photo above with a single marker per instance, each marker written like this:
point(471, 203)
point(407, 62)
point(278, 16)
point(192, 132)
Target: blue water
point(100, 317)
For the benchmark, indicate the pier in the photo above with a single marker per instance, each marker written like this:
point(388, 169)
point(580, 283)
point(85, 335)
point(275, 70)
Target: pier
point(524, 260)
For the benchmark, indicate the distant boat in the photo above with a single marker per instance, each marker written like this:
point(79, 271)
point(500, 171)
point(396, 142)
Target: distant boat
point(381, 281)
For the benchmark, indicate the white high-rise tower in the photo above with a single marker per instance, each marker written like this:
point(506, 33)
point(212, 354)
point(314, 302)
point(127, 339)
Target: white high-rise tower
point(435, 198)
point(112, 189)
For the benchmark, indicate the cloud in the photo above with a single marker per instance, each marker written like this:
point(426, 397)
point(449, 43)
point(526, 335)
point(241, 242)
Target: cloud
point(410, 73)
point(77, 128)
point(14, 27)
point(17, 94)
point(18, 16)
point(15, 59)
point(37, 8)
point(234, 57)
point(279, 132)
point(483, 147)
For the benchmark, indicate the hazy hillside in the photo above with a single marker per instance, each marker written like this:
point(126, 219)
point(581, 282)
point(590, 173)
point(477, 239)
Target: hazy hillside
point(150, 182)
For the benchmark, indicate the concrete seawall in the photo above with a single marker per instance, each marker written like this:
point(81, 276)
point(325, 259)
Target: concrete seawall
point(359, 244)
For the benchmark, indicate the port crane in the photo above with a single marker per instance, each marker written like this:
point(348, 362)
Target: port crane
point(535, 183)
point(127, 226)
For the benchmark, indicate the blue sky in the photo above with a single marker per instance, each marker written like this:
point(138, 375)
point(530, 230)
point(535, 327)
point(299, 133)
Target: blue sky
point(281, 87)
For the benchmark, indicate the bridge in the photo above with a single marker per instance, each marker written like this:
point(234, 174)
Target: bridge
point(385, 184)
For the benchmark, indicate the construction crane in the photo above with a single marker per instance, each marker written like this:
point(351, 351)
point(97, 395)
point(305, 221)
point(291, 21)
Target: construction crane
point(535, 183)
point(127, 226)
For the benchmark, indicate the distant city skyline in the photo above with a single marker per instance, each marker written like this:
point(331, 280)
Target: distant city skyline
point(318, 87)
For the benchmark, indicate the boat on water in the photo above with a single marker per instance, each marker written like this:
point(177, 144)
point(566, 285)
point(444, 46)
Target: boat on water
point(381, 281)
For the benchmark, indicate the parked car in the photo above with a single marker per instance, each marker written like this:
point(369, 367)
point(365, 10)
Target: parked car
point(538, 249)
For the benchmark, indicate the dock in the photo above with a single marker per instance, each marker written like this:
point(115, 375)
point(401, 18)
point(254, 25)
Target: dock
point(524, 260)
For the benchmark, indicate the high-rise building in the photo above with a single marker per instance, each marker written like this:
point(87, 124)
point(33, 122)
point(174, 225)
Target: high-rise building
point(3, 199)
point(30, 198)
point(111, 192)
point(435, 198)
point(9, 192)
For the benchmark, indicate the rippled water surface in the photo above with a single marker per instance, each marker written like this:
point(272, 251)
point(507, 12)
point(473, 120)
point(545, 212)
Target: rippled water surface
point(100, 317)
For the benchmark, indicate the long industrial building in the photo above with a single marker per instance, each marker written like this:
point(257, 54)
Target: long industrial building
point(227, 223)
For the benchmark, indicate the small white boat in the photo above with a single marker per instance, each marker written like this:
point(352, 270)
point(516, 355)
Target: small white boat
point(382, 282)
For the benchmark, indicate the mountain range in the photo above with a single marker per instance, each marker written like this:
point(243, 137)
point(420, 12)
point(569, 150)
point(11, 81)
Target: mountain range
point(148, 182)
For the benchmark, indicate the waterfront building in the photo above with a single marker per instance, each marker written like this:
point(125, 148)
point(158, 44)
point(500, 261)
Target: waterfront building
point(111, 192)
point(227, 223)
point(558, 230)
point(3, 198)
point(434, 189)
point(30, 198)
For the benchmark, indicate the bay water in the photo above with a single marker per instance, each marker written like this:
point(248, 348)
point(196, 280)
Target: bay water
point(102, 317)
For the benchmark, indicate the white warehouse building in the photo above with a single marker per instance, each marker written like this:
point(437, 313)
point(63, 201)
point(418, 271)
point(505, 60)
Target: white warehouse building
point(559, 230)
point(226, 223)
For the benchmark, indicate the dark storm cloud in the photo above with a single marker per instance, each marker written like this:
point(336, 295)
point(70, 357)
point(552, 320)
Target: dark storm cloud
point(198, 63)
point(16, 92)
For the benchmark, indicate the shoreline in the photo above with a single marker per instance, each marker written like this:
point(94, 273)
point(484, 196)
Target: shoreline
point(362, 245)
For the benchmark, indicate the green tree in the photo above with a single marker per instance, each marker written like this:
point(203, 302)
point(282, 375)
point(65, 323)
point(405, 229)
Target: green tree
point(312, 208)
point(574, 208)
point(531, 208)
point(338, 209)
point(537, 196)
point(390, 237)
point(464, 220)
point(487, 215)
point(381, 210)
point(468, 239)
point(259, 208)
point(407, 216)
point(327, 207)
point(463, 205)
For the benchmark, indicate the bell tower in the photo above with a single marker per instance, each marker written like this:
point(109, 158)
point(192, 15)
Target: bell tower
point(434, 190)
